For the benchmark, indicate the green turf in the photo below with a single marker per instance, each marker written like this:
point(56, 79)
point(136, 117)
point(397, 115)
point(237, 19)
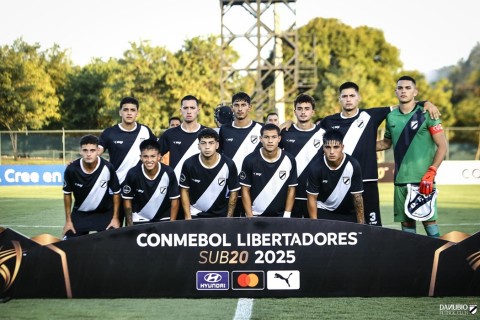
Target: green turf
point(37, 210)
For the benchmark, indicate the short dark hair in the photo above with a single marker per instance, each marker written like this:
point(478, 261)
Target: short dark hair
point(304, 98)
point(174, 118)
point(333, 135)
point(208, 133)
point(269, 127)
point(149, 144)
point(348, 85)
point(129, 100)
point(241, 96)
point(272, 114)
point(89, 139)
point(407, 78)
point(223, 114)
point(189, 97)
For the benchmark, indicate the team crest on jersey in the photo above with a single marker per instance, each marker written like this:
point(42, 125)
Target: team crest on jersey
point(221, 182)
point(103, 184)
point(163, 190)
point(316, 143)
point(182, 178)
point(254, 139)
point(414, 124)
point(346, 180)
point(126, 189)
point(242, 175)
point(360, 123)
point(282, 174)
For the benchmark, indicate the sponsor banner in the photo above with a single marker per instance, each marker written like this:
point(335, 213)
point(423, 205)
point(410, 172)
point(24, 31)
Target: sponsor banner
point(458, 172)
point(450, 172)
point(16, 175)
point(239, 257)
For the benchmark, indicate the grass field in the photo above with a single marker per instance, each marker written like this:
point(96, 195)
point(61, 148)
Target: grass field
point(37, 210)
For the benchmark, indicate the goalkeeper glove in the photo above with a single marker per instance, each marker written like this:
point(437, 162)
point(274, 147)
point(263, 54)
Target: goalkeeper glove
point(426, 185)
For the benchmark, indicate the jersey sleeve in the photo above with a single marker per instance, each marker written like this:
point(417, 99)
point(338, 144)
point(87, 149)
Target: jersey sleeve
point(164, 145)
point(245, 175)
point(128, 188)
point(185, 176)
point(173, 189)
point(357, 179)
point(67, 181)
point(114, 183)
point(103, 139)
point(233, 180)
point(293, 179)
point(313, 186)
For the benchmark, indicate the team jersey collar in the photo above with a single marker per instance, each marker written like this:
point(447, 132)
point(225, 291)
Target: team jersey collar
point(249, 125)
point(268, 160)
point(305, 130)
point(214, 165)
point(356, 114)
point(339, 166)
point(196, 130)
point(123, 129)
point(83, 168)
point(156, 175)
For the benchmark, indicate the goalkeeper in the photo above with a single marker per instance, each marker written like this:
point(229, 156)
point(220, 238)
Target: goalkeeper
point(419, 148)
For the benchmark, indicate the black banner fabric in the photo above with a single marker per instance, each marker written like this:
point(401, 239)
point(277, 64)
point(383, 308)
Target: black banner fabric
point(240, 257)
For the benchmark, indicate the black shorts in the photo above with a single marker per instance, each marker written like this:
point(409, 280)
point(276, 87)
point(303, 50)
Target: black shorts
point(371, 203)
point(300, 209)
point(348, 217)
point(85, 222)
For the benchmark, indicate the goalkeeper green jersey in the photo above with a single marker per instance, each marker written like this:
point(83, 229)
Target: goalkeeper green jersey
point(414, 148)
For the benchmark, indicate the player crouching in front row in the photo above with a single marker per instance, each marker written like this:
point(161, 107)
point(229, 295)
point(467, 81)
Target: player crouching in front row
point(150, 190)
point(331, 181)
point(90, 179)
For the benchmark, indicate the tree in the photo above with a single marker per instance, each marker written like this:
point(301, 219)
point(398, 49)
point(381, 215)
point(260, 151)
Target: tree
point(27, 93)
point(343, 53)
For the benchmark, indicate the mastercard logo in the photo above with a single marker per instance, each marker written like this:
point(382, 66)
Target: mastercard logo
point(248, 280)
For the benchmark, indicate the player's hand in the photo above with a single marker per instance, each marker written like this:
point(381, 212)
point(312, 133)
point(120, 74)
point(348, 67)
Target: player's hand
point(114, 223)
point(432, 110)
point(426, 185)
point(286, 125)
point(68, 227)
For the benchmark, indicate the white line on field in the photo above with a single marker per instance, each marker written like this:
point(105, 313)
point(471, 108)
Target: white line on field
point(26, 226)
point(244, 309)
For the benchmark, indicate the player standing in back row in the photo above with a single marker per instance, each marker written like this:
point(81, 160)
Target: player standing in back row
point(359, 128)
point(239, 138)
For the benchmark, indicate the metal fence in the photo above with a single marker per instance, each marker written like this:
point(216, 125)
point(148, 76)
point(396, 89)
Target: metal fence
point(61, 146)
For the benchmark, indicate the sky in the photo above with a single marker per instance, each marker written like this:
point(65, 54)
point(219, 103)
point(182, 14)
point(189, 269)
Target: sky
point(430, 34)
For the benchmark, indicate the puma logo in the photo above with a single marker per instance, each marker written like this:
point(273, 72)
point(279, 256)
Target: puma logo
point(279, 276)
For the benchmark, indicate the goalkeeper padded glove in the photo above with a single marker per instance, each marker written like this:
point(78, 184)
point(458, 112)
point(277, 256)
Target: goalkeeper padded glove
point(426, 185)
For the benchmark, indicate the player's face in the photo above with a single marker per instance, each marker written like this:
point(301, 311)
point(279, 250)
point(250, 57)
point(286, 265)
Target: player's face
point(129, 113)
point(208, 147)
point(270, 140)
point(89, 153)
point(349, 99)
point(333, 151)
point(241, 109)
point(174, 123)
point(273, 118)
point(406, 91)
point(150, 158)
point(304, 112)
point(190, 110)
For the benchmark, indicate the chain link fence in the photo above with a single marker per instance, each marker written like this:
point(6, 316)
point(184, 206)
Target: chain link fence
point(61, 146)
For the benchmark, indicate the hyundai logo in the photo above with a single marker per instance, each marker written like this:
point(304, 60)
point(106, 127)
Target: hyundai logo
point(213, 277)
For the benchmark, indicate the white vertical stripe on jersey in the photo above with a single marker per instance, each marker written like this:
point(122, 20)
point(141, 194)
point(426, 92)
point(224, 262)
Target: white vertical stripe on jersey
point(340, 191)
point(95, 196)
point(354, 132)
point(246, 147)
point(133, 155)
point(192, 150)
point(211, 194)
point(307, 153)
point(151, 208)
point(273, 187)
